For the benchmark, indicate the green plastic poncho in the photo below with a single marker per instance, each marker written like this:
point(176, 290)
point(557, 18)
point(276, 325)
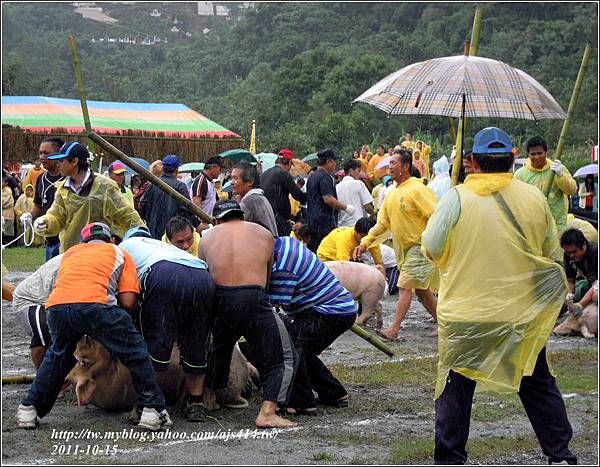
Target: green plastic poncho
point(105, 203)
point(562, 188)
point(501, 286)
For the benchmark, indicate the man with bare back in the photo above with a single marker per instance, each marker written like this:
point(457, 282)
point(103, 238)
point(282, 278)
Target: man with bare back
point(240, 256)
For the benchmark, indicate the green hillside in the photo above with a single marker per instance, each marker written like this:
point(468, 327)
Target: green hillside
point(296, 67)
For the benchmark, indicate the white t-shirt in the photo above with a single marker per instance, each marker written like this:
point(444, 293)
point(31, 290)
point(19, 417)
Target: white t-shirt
point(36, 288)
point(388, 255)
point(355, 193)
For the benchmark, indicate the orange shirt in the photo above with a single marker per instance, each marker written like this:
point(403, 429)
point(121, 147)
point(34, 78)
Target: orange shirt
point(94, 273)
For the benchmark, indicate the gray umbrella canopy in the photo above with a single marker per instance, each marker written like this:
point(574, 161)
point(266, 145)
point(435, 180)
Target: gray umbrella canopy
point(488, 87)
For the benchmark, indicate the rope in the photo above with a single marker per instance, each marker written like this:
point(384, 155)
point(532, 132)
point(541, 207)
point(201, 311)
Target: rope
point(26, 226)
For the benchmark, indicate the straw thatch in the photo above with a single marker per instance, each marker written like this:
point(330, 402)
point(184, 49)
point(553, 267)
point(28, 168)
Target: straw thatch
point(20, 145)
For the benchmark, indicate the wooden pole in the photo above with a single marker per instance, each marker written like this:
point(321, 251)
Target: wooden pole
point(360, 332)
point(149, 176)
point(21, 379)
point(82, 98)
point(470, 50)
point(570, 112)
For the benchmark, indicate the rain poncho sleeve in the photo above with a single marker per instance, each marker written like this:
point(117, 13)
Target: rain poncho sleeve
point(562, 188)
point(501, 288)
point(105, 203)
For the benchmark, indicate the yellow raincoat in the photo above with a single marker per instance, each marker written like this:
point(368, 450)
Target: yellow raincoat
point(105, 203)
point(562, 188)
point(404, 212)
point(588, 230)
point(23, 205)
point(502, 287)
point(425, 151)
point(340, 244)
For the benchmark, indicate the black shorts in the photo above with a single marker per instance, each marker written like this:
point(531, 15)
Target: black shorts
point(40, 334)
point(177, 303)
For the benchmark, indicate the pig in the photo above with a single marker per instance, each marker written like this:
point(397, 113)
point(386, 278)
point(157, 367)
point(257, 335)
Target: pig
point(586, 323)
point(103, 381)
point(366, 284)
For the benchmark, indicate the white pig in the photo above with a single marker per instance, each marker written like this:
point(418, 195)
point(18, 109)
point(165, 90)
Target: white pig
point(367, 284)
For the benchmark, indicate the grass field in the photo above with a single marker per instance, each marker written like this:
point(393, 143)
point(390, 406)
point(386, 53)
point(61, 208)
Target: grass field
point(23, 259)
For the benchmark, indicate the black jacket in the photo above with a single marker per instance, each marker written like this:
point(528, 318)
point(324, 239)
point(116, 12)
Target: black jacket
point(157, 208)
point(277, 185)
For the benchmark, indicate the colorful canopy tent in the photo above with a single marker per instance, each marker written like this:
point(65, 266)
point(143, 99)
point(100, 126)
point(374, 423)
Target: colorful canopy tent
point(148, 130)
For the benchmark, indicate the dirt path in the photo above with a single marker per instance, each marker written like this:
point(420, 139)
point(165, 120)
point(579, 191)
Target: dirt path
point(387, 422)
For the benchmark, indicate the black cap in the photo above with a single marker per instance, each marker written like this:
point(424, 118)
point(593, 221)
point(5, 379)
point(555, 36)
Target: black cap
point(226, 206)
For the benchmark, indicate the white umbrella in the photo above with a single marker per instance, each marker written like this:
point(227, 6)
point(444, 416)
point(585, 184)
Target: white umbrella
point(591, 169)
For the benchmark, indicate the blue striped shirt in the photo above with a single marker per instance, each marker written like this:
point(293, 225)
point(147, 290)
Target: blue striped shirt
point(300, 280)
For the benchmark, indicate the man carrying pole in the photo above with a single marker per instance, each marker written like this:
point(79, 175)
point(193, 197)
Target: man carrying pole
point(540, 171)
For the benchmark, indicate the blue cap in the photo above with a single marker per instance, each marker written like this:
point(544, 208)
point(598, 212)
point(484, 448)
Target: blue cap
point(72, 149)
point(488, 136)
point(141, 231)
point(171, 162)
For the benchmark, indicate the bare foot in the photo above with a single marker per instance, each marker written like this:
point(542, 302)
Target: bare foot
point(388, 333)
point(433, 333)
point(273, 421)
point(210, 400)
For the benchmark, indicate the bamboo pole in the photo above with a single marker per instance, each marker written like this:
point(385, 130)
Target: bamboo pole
point(82, 98)
point(570, 112)
point(21, 379)
point(150, 176)
point(360, 332)
point(471, 50)
point(452, 130)
point(200, 213)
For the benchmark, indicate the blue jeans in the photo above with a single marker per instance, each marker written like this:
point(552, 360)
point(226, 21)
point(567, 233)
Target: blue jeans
point(113, 328)
point(52, 250)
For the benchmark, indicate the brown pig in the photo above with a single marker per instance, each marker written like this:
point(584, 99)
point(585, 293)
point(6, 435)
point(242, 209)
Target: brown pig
point(103, 381)
point(366, 284)
point(586, 323)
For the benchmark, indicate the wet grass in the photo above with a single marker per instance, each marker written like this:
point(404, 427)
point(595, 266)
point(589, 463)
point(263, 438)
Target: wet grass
point(322, 457)
point(576, 371)
point(23, 259)
point(414, 371)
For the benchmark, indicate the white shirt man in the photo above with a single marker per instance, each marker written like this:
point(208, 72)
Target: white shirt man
point(351, 190)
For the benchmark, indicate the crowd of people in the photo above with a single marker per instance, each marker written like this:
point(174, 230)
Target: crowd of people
point(484, 258)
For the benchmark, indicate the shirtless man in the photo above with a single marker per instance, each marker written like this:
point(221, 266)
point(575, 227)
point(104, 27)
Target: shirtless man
point(241, 275)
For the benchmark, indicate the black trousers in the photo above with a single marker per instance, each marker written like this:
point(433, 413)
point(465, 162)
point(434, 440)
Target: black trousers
point(245, 311)
point(540, 397)
point(312, 333)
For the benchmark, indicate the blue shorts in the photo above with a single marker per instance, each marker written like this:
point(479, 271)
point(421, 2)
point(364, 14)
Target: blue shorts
point(177, 304)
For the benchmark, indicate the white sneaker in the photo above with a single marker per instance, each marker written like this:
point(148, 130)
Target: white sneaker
point(27, 417)
point(154, 421)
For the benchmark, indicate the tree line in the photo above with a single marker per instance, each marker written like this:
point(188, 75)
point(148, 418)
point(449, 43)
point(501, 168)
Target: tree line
point(297, 67)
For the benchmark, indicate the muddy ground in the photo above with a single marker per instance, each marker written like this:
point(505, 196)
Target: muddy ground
point(386, 423)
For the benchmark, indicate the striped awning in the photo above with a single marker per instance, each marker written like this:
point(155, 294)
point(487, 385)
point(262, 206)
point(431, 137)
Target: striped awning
point(437, 87)
point(42, 114)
